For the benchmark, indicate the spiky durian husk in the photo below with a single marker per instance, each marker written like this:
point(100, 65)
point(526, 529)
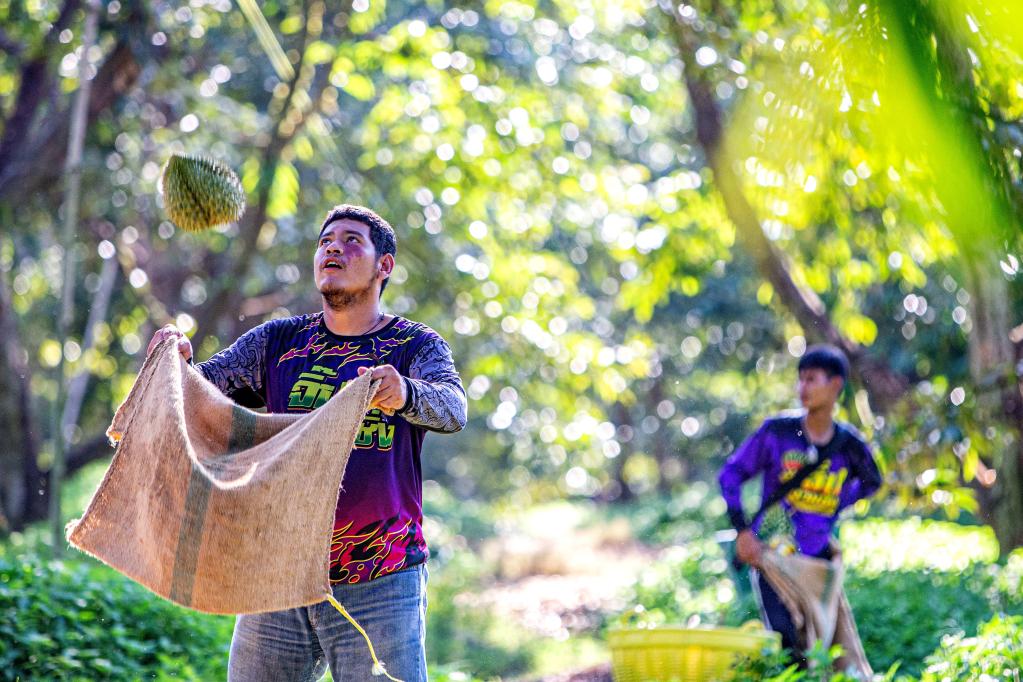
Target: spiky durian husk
point(200, 193)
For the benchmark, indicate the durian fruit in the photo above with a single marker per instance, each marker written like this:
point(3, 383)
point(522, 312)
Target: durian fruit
point(200, 193)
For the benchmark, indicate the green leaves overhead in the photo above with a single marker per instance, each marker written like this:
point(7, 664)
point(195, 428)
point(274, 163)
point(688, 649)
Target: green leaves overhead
point(556, 217)
point(284, 192)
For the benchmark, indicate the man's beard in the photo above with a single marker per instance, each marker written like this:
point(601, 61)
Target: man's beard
point(338, 299)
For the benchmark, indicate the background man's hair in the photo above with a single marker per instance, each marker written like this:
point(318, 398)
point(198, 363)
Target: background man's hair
point(380, 231)
point(828, 358)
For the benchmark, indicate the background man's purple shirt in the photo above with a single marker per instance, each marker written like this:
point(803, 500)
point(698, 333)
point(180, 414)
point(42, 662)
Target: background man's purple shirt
point(778, 450)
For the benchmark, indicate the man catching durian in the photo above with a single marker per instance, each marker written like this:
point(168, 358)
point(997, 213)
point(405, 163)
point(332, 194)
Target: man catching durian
point(378, 552)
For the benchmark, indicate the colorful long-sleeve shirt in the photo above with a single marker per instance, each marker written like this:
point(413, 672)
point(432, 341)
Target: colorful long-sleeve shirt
point(778, 450)
point(296, 364)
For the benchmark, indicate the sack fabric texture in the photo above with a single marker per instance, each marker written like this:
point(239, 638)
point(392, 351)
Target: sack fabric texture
point(214, 506)
point(811, 590)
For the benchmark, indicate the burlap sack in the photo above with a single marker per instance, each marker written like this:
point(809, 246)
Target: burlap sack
point(811, 590)
point(216, 507)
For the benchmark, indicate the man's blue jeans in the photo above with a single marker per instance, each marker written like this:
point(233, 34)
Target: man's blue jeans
point(299, 644)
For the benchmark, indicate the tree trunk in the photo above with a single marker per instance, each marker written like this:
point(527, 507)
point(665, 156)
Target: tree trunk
point(660, 446)
point(622, 417)
point(97, 313)
point(33, 160)
point(20, 477)
point(993, 370)
point(73, 175)
point(980, 224)
point(883, 385)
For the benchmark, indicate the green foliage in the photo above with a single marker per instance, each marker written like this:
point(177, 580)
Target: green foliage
point(996, 653)
point(939, 579)
point(778, 667)
point(916, 544)
point(463, 637)
point(934, 579)
point(464, 634)
point(75, 620)
point(690, 584)
point(936, 451)
point(902, 614)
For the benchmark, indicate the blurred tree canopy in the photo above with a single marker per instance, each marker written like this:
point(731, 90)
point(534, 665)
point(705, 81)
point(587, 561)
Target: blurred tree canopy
point(629, 219)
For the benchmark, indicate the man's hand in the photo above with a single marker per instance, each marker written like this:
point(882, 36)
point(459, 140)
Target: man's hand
point(836, 549)
point(170, 331)
point(392, 393)
point(748, 548)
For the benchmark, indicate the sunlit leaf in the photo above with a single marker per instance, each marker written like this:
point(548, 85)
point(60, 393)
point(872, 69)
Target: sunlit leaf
point(284, 192)
point(359, 87)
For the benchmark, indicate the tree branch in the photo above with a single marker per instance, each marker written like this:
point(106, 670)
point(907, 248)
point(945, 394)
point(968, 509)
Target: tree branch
point(33, 86)
point(883, 384)
point(97, 314)
point(36, 158)
point(10, 46)
point(228, 294)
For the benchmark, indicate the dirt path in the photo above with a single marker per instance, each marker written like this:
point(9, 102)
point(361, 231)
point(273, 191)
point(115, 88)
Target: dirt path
point(558, 579)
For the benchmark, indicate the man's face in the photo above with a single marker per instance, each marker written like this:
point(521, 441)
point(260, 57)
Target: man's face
point(816, 389)
point(346, 268)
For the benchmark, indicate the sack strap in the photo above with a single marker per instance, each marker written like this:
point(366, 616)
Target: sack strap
point(804, 473)
point(788, 486)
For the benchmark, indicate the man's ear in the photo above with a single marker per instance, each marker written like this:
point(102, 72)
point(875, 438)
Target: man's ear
point(386, 265)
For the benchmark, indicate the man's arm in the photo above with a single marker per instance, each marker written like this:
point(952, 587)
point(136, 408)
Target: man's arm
point(746, 462)
point(868, 473)
point(865, 477)
point(436, 399)
point(238, 371)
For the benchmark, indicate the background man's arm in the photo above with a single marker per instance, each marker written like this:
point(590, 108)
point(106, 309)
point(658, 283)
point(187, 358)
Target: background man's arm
point(746, 462)
point(868, 473)
point(864, 479)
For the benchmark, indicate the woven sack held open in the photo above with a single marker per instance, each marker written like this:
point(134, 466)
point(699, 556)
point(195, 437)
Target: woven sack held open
point(214, 506)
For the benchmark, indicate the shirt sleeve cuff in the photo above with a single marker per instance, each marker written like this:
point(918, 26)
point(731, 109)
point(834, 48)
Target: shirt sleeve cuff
point(738, 519)
point(409, 396)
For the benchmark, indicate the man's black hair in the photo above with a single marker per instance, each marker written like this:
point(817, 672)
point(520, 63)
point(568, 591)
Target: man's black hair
point(380, 231)
point(828, 358)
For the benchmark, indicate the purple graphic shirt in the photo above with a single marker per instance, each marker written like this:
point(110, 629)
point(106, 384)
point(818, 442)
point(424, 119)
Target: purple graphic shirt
point(296, 364)
point(778, 450)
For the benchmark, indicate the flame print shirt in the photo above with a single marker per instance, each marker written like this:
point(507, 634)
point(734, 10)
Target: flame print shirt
point(296, 364)
point(778, 450)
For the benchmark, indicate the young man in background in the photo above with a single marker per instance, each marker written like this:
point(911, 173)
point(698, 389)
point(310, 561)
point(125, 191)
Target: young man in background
point(845, 471)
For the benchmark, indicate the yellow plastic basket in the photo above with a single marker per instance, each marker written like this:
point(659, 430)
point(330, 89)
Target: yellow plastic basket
point(683, 654)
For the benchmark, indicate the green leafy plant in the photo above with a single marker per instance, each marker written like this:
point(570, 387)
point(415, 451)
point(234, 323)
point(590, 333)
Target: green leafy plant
point(996, 653)
point(778, 666)
point(690, 584)
point(75, 620)
point(920, 607)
